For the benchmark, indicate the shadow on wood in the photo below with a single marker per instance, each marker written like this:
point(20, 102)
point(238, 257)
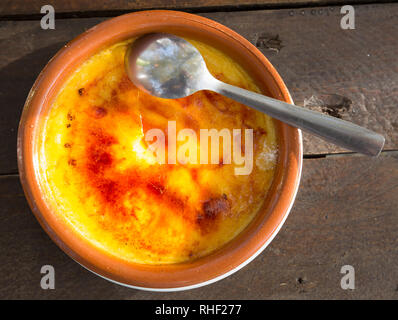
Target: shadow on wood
point(16, 79)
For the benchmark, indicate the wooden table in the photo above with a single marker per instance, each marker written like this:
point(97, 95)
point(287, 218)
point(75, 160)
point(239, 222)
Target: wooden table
point(346, 208)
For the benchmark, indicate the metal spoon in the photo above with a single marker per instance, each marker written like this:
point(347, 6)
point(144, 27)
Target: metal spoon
point(167, 66)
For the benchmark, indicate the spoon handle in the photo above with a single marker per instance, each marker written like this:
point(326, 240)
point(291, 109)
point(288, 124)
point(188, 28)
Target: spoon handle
point(339, 132)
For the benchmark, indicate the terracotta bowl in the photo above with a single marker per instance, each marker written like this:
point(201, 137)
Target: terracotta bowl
point(230, 258)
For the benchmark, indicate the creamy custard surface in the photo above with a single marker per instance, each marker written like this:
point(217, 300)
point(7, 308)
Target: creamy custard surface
point(99, 178)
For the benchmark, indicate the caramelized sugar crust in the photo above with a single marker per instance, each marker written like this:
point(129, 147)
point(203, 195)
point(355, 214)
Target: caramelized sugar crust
point(99, 177)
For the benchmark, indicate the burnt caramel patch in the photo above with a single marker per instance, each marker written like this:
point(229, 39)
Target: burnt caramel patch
point(102, 139)
point(81, 91)
point(258, 132)
point(163, 197)
point(112, 188)
point(109, 190)
point(100, 159)
point(99, 112)
point(156, 187)
point(125, 84)
point(212, 210)
point(70, 116)
point(118, 105)
point(191, 123)
point(215, 206)
point(216, 100)
point(186, 101)
point(99, 156)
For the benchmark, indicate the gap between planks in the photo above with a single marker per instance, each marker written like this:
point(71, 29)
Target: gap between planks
point(205, 9)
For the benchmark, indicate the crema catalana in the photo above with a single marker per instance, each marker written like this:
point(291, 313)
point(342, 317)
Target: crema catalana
point(99, 178)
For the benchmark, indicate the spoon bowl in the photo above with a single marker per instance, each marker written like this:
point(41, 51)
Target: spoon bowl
point(166, 66)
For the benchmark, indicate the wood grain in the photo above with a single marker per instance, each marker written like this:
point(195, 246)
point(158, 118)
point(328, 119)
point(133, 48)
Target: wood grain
point(10, 8)
point(345, 213)
point(348, 73)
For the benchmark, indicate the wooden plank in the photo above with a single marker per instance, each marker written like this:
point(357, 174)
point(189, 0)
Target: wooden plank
point(11, 8)
point(352, 73)
point(345, 213)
